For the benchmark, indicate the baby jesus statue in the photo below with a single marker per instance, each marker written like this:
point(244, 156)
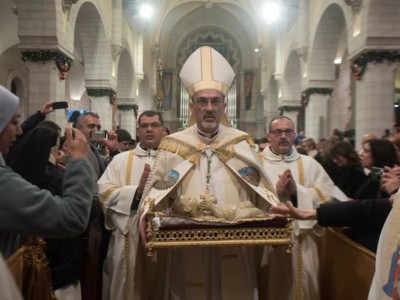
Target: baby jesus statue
point(207, 208)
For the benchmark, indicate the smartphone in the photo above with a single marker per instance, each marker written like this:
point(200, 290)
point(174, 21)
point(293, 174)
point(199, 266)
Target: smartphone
point(98, 134)
point(59, 105)
point(396, 106)
point(376, 173)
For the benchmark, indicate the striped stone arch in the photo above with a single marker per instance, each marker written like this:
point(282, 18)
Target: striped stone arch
point(210, 36)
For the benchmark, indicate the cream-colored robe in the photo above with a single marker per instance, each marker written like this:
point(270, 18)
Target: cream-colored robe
point(197, 271)
point(386, 282)
point(314, 186)
point(117, 187)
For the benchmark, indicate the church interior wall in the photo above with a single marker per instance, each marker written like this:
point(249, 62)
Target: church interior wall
point(333, 28)
point(8, 26)
point(340, 106)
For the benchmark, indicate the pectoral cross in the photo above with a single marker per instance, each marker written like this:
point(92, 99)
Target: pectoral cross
point(208, 198)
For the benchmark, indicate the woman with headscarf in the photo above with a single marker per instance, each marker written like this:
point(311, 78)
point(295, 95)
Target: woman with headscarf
point(33, 158)
point(26, 209)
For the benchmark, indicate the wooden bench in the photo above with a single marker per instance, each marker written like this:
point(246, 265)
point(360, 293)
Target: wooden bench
point(347, 268)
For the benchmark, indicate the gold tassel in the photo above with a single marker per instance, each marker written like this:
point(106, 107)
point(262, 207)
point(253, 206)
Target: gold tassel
point(185, 150)
point(227, 150)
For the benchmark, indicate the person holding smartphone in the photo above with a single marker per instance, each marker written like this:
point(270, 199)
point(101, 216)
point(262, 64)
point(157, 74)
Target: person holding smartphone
point(26, 209)
point(96, 237)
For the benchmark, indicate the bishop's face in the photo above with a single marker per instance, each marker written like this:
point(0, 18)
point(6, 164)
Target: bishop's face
point(208, 106)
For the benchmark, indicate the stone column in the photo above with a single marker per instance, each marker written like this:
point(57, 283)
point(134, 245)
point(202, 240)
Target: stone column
point(101, 102)
point(271, 104)
point(374, 99)
point(47, 71)
point(139, 73)
point(260, 119)
point(241, 115)
point(128, 117)
point(316, 114)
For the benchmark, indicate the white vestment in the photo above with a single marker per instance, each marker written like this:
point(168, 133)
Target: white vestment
point(230, 160)
point(314, 186)
point(386, 282)
point(117, 187)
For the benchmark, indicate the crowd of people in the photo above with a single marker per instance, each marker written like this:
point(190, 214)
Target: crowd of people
point(87, 196)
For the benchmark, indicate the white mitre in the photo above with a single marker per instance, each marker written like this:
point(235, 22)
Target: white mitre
point(206, 69)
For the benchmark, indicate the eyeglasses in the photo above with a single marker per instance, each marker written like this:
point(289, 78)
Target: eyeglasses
point(203, 102)
point(278, 132)
point(152, 125)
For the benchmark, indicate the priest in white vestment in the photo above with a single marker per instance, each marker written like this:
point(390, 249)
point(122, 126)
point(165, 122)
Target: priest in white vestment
point(307, 184)
point(120, 188)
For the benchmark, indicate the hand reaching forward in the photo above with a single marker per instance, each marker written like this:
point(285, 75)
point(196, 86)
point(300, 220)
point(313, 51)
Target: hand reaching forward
point(294, 212)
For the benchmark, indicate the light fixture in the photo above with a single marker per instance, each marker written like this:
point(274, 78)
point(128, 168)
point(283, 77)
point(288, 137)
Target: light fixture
point(146, 11)
point(337, 61)
point(271, 12)
point(256, 50)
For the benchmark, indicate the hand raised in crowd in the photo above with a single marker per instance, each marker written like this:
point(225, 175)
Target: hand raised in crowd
point(47, 107)
point(286, 186)
point(75, 144)
point(294, 212)
point(143, 179)
point(395, 170)
point(390, 181)
point(111, 140)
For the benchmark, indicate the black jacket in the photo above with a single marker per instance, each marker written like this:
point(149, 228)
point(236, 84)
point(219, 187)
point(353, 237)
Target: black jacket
point(365, 217)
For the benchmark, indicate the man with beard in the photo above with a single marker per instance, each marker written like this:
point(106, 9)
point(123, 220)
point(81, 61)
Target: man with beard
point(208, 171)
point(304, 182)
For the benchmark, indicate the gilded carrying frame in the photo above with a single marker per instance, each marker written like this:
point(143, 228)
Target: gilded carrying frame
point(215, 236)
